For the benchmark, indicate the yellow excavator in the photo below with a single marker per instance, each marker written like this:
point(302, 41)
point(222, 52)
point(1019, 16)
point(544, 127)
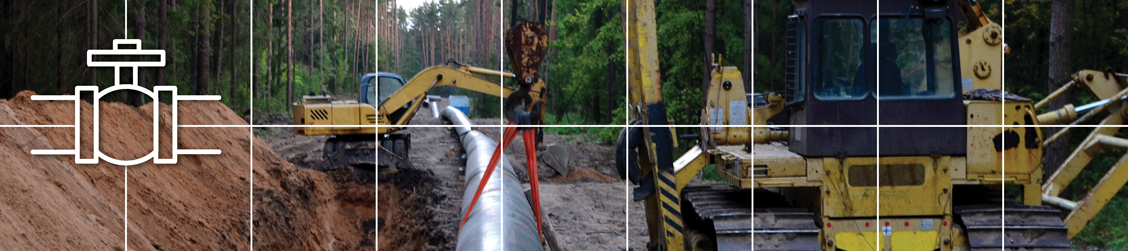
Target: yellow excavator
point(817, 174)
point(388, 101)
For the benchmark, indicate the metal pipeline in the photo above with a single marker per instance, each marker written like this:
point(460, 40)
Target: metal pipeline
point(434, 109)
point(503, 218)
point(456, 117)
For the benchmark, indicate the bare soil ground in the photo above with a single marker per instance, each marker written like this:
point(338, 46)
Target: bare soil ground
point(200, 203)
point(587, 208)
point(638, 232)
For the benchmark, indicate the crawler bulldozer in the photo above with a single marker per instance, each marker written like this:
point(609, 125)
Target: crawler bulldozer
point(822, 176)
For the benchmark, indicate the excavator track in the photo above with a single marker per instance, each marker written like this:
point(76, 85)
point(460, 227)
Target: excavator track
point(724, 211)
point(786, 229)
point(1026, 227)
point(358, 152)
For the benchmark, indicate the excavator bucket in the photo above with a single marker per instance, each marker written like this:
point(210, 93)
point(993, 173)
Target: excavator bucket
point(556, 157)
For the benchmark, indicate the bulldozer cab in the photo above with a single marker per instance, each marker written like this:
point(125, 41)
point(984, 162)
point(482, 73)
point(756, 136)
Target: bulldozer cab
point(847, 58)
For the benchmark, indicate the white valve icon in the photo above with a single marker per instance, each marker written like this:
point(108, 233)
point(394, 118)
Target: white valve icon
point(118, 85)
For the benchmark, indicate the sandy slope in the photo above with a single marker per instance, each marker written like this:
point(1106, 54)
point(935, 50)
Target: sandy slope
point(201, 203)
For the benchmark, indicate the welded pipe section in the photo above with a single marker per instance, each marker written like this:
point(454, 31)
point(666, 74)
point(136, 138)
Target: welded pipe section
point(502, 219)
point(456, 117)
point(434, 108)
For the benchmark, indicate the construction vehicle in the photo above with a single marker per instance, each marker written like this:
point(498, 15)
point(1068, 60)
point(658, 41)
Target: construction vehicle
point(352, 124)
point(679, 215)
point(817, 178)
point(386, 102)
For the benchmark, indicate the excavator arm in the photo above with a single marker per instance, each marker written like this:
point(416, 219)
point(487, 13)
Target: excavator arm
point(398, 108)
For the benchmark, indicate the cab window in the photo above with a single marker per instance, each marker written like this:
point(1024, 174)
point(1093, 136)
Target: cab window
point(386, 86)
point(915, 59)
point(370, 95)
point(840, 69)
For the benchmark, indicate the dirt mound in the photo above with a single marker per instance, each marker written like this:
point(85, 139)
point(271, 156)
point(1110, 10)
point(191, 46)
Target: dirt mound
point(584, 174)
point(407, 198)
point(200, 203)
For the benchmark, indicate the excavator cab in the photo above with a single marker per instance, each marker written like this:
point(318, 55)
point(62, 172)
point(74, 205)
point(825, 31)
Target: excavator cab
point(386, 84)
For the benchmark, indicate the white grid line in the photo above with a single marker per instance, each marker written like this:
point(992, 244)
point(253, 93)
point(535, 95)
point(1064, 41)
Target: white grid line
point(1002, 110)
point(251, 102)
point(625, 125)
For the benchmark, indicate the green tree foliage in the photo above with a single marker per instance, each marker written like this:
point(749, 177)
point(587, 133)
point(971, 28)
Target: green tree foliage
point(681, 51)
point(1098, 41)
point(443, 32)
point(769, 27)
point(43, 45)
point(586, 70)
point(333, 45)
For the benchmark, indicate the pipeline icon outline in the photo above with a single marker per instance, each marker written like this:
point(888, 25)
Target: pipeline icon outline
point(119, 86)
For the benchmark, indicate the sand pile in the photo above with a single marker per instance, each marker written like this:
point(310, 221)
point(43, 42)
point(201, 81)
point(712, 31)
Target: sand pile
point(201, 203)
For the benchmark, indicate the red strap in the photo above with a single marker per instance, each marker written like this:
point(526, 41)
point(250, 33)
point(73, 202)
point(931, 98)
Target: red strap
point(534, 179)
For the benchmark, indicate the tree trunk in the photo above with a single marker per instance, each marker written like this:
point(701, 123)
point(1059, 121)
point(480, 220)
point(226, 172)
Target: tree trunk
point(162, 40)
point(195, 76)
point(398, 40)
point(346, 30)
point(27, 65)
point(542, 11)
point(135, 98)
point(747, 74)
point(1061, 42)
point(218, 58)
point(7, 85)
point(708, 38)
point(1122, 23)
point(289, 54)
point(205, 49)
point(231, 51)
point(269, 51)
point(321, 37)
point(309, 36)
point(356, 42)
point(60, 74)
point(93, 38)
point(610, 89)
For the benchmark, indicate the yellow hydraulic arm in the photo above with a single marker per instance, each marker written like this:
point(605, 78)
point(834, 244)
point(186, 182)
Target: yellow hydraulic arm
point(1111, 88)
point(415, 91)
point(663, 209)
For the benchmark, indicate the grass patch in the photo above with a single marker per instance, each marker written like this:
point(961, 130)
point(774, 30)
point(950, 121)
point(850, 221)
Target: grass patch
point(604, 135)
point(1110, 228)
point(265, 131)
point(710, 173)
